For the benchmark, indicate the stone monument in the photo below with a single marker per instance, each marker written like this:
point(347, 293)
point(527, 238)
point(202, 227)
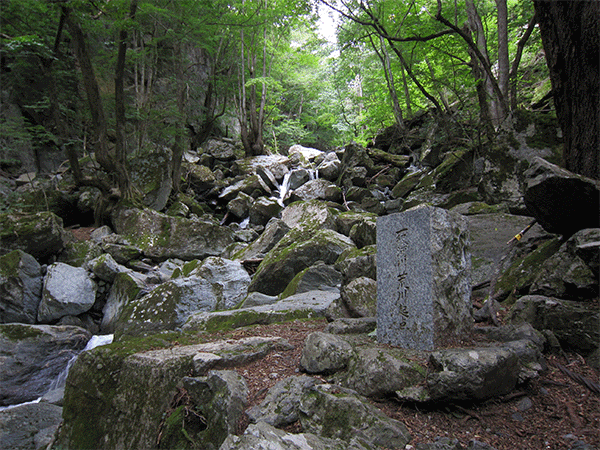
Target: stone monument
point(423, 283)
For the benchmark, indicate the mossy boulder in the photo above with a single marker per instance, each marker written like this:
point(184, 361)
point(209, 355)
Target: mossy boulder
point(217, 284)
point(354, 263)
point(359, 296)
point(77, 253)
point(20, 287)
point(161, 237)
point(298, 250)
point(574, 323)
point(313, 214)
point(318, 277)
point(41, 235)
point(335, 412)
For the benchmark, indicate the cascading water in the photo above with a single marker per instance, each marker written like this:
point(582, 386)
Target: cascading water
point(60, 381)
point(284, 188)
point(95, 341)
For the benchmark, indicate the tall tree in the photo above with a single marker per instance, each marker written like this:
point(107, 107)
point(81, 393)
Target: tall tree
point(571, 37)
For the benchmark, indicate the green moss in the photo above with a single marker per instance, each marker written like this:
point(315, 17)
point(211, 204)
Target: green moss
point(521, 274)
point(17, 331)
point(9, 264)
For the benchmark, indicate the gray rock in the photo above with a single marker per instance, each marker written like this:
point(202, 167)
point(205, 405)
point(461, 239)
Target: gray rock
point(262, 436)
point(362, 325)
point(20, 287)
point(480, 373)
point(216, 284)
point(280, 406)
point(561, 201)
point(119, 399)
point(364, 233)
point(330, 167)
point(258, 299)
point(161, 237)
point(274, 231)
point(240, 206)
point(478, 445)
point(311, 214)
point(216, 406)
point(252, 185)
point(575, 324)
point(334, 412)
point(267, 177)
point(325, 353)
point(354, 263)
point(489, 234)
point(300, 306)
point(29, 427)
point(67, 291)
point(379, 372)
point(220, 150)
point(222, 354)
point(360, 297)
point(318, 189)
point(33, 356)
point(565, 275)
point(264, 209)
point(297, 251)
point(106, 268)
point(41, 235)
point(318, 277)
point(126, 287)
point(201, 177)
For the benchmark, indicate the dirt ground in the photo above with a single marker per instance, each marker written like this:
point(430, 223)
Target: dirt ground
point(553, 412)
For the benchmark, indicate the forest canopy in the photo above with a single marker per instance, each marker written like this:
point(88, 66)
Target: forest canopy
point(120, 77)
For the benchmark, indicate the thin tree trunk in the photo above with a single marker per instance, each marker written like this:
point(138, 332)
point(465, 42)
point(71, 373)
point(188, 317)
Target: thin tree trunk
point(120, 151)
point(513, 75)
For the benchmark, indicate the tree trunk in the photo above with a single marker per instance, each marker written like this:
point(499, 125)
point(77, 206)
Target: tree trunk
point(571, 37)
point(123, 179)
point(503, 62)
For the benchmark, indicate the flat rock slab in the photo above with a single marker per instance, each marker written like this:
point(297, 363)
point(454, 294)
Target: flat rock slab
point(306, 305)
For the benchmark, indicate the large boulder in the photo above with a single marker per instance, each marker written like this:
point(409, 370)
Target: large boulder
point(320, 189)
point(325, 353)
point(483, 372)
point(33, 356)
point(126, 287)
point(118, 396)
point(575, 324)
point(299, 306)
point(209, 411)
point(29, 426)
point(67, 291)
point(274, 231)
point(20, 287)
point(216, 284)
point(335, 412)
point(318, 277)
point(355, 263)
point(566, 275)
point(161, 237)
point(41, 235)
point(298, 250)
point(311, 214)
point(561, 201)
point(359, 296)
point(280, 406)
point(489, 236)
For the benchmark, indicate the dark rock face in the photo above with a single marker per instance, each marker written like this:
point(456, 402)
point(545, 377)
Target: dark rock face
point(561, 201)
point(20, 287)
point(33, 356)
point(29, 426)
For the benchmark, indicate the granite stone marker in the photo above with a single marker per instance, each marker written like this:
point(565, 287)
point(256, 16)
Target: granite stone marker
point(423, 285)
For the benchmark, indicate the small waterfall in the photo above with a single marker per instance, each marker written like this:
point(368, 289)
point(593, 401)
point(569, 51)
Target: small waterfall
point(95, 341)
point(60, 381)
point(284, 189)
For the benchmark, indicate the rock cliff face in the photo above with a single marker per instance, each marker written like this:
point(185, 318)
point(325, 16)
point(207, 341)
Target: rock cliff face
point(286, 249)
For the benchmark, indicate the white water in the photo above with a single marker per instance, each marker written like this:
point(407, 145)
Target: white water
point(284, 189)
point(60, 381)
